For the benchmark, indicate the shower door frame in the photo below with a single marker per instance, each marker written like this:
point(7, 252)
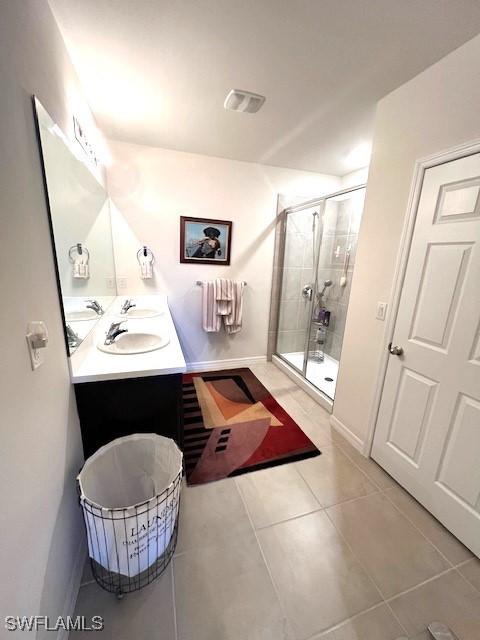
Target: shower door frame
point(308, 204)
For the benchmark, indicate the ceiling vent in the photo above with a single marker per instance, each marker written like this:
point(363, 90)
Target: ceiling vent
point(238, 100)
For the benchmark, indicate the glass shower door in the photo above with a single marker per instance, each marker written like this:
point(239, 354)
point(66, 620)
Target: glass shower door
point(316, 274)
point(301, 241)
point(336, 259)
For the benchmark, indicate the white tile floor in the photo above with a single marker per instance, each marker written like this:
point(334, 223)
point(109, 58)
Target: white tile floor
point(329, 548)
point(322, 374)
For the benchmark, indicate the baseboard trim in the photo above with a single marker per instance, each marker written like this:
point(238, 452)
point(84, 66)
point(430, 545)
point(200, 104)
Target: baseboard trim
point(306, 386)
point(231, 363)
point(347, 434)
point(73, 587)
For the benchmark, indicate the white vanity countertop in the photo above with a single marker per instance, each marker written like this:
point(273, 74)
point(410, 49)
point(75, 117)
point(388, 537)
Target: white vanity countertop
point(89, 364)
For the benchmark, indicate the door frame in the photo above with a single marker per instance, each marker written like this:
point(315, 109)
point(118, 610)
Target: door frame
point(453, 153)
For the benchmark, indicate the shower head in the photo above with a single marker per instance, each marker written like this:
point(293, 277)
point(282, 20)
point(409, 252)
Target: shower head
point(326, 283)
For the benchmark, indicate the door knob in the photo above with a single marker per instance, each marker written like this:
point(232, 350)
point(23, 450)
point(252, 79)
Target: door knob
point(395, 351)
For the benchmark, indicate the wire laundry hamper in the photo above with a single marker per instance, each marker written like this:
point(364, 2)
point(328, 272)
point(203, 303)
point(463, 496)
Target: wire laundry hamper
point(131, 541)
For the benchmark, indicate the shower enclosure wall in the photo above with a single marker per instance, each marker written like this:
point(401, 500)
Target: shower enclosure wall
point(315, 268)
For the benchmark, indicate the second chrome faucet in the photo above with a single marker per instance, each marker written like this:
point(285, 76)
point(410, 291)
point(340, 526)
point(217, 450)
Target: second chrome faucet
point(114, 331)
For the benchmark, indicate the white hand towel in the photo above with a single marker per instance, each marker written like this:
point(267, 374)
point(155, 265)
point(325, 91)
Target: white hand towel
point(224, 295)
point(146, 268)
point(233, 321)
point(80, 268)
point(211, 320)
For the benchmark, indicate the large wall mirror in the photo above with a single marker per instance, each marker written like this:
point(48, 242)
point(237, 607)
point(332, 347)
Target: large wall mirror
point(79, 212)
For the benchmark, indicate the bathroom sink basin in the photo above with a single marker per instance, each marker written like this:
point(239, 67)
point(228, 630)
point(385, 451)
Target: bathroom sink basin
point(131, 343)
point(140, 312)
point(81, 314)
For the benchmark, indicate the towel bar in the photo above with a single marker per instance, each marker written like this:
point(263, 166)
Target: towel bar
point(80, 249)
point(146, 252)
point(200, 282)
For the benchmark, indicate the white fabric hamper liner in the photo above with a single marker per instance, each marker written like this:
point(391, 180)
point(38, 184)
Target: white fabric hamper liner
point(130, 492)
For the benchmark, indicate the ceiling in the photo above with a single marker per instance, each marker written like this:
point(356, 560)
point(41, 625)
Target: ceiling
point(156, 72)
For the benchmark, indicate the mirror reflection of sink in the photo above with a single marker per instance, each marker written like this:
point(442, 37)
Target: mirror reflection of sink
point(140, 313)
point(131, 343)
point(80, 314)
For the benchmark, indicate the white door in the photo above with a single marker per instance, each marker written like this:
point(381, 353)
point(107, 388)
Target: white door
point(428, 429)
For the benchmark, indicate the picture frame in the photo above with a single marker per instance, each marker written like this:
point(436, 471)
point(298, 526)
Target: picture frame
point(205, 241)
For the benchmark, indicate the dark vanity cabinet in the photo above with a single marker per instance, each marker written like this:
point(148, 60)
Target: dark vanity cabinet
point(114, 408)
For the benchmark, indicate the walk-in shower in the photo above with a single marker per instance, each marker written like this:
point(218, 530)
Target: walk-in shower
point(315, 269)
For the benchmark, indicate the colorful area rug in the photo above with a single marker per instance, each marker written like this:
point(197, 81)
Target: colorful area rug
point(233, 425)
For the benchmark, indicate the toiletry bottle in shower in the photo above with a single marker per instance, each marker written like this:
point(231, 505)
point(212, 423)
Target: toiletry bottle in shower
point(320, 337)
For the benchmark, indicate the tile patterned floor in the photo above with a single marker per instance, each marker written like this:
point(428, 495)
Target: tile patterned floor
point(324, 549)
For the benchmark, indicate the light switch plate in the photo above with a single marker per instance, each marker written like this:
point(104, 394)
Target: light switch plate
point(37, 340)
point(381, 310)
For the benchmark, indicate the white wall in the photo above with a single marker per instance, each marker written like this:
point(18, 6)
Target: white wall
point(152, 187)
point(41, 527)
point(353, 179)
point(436, 110)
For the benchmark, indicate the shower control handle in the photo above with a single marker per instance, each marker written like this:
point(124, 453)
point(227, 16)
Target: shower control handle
point(395, 351)
point(307, 292)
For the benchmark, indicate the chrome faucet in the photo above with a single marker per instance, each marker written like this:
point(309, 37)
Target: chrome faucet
point(128, 304)
point(114, 332)
point(93, 304)
point(73, 339)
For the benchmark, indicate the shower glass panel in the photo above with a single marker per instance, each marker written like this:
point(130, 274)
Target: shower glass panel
point(319, 258)
point(297, 288)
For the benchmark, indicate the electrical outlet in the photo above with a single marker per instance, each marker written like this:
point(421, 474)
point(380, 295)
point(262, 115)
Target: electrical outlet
point(381, 310)
point(110, 283)
point(122, 282)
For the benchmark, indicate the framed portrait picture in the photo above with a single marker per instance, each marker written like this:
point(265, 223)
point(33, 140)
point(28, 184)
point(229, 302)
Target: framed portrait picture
point(205, 241)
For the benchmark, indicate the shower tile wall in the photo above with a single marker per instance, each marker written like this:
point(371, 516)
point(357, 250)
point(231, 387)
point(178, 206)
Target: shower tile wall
point(340, 233)
point(297, 271)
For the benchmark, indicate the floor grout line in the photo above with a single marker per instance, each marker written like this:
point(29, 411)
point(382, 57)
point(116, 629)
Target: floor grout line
point(346, 500)
point(419, 530)
point(367, 573)
point(463, 562)
point(410, 589)
point(357, 559)
point(322, 506)
point(175, 626)
point(345, 453)
point(275, 589)
point(420, 584)
point(291, 519)
point(465, 579)
point(392, 611)
point(319, 634)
